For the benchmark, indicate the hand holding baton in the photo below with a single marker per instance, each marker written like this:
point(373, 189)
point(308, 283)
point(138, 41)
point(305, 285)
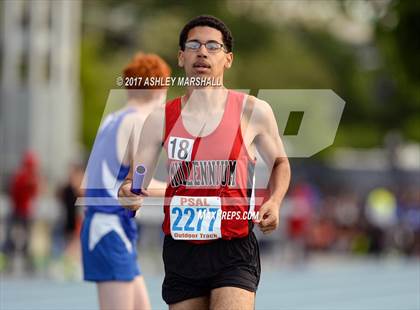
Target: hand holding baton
point(138, 178)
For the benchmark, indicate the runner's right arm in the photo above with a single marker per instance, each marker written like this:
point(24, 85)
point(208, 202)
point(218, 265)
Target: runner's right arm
point(147, 154)
point(128, 142)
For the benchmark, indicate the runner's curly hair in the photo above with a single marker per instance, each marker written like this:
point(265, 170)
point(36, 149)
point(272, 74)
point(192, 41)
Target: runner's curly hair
point(145, 66)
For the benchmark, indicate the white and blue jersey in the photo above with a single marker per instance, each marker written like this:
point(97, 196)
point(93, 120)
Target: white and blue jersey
point(109, 234)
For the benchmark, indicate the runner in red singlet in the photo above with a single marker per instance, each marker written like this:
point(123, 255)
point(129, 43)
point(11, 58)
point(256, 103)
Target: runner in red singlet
point(220, 168)
point(211, 135)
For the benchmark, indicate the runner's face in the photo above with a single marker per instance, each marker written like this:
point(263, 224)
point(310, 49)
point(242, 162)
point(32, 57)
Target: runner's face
point(202, 62)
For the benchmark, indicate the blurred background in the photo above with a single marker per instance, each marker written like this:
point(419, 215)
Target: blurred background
point(350, 225)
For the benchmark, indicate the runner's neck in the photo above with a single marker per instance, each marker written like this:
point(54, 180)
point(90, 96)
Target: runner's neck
point(204, 100)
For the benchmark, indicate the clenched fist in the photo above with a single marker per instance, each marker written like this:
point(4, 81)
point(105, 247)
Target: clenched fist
point(269, 216)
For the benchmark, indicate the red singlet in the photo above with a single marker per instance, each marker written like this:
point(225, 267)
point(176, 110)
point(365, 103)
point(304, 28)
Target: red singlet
point(211, 178)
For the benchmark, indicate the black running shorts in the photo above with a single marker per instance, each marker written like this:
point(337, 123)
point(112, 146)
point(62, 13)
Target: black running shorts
point(193, 270)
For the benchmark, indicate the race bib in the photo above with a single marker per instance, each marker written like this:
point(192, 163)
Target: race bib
point(180, 148)
point(195, 218)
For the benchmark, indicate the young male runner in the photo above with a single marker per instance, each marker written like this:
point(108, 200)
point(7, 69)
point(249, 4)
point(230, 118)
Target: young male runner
point(109, 234)
point(211, 135)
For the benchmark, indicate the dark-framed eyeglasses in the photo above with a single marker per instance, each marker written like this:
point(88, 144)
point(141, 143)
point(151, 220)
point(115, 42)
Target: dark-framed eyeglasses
point(211, 46)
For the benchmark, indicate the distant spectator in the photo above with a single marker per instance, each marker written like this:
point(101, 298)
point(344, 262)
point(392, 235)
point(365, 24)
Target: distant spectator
point(23, 191)
point(68, 195)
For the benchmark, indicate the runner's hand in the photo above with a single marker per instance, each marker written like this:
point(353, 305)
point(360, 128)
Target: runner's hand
point(269, 217)
point(128, 199)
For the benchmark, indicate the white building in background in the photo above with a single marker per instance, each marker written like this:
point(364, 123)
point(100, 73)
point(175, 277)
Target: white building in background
point(40, 103)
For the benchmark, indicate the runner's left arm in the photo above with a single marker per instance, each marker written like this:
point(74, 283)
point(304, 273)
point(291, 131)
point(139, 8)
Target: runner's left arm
point(270, 147)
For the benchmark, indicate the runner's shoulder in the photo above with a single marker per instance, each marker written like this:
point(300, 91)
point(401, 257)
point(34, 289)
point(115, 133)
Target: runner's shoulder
point(260, 111)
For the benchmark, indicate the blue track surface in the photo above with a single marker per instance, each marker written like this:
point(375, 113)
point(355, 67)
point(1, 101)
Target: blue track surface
point(347, 285)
